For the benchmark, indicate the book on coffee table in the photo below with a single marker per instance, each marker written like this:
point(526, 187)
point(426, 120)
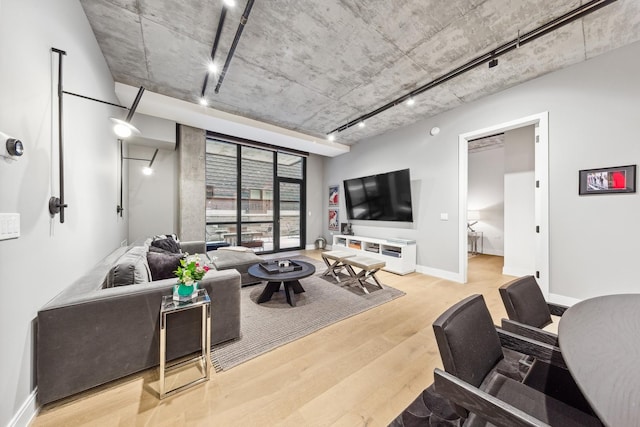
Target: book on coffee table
point(273, 267)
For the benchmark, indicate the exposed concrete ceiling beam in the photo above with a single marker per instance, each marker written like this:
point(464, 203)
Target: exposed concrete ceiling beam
point(190, 114)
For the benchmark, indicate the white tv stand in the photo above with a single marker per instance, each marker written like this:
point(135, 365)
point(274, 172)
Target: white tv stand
point(398, 254)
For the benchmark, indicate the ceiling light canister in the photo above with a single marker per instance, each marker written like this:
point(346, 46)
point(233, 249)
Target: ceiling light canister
point(147, 170)
point(229, 3)
point(203, 102)
point(361, 125)
point(411, 101)
point(434, 131)
point(331, 137)
point(212, 68)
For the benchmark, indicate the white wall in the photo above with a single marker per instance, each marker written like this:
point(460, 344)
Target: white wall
point(485, 194)
point(519, 202)
point(153, 200)
point(49, 256)
point(593, 117)
point(316, 204)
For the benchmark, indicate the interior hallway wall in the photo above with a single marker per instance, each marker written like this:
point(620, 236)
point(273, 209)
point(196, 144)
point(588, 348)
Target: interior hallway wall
point(485, 194)
point(49, 256)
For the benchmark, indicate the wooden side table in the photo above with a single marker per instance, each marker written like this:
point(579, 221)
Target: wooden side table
point(169, 306)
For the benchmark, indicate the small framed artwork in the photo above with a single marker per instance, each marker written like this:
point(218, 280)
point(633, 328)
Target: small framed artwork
point(619, 179)
point(334, 195)
point(333, 220)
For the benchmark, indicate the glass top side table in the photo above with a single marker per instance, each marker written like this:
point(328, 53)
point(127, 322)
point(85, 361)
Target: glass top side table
point(169, 306)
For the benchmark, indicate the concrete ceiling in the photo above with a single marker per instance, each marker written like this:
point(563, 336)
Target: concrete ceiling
point(310, 66)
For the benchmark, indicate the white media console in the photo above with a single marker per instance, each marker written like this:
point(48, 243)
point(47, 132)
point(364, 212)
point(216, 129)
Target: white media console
point(398, 254)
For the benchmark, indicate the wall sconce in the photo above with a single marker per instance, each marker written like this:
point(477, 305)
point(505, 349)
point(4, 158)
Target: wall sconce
point(147, 170)
point(124, 128)
point(472, 219)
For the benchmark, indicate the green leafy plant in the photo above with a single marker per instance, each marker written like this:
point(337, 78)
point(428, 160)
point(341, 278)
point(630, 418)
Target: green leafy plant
point(190, 270)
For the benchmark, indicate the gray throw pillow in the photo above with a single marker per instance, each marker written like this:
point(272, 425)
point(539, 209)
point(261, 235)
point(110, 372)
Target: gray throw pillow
point(163, 265)
point(130, 268)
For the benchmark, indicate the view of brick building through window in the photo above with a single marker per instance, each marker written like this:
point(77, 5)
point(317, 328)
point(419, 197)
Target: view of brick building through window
point(257, 217)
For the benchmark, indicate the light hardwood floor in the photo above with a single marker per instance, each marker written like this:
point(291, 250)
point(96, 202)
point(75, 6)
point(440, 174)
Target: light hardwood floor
point(362, 371)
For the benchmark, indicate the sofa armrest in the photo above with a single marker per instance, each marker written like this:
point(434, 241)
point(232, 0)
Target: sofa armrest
point(90, 339)
point(194, 247)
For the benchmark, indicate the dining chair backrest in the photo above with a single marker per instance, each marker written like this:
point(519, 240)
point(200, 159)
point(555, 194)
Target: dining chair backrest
point(467, 339)
point(525, 303)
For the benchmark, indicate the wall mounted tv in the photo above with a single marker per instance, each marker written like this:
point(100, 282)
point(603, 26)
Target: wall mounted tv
point(382, 197)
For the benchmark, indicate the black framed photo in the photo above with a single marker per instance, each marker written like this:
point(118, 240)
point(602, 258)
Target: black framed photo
point(619, 179)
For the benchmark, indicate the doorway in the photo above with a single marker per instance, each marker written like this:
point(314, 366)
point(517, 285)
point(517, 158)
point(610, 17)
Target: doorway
point(541, 192)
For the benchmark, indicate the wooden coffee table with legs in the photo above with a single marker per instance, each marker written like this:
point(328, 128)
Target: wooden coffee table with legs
point(289, 279)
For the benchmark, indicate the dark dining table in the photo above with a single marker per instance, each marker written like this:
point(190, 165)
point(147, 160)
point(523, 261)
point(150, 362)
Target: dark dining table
point(600, 342)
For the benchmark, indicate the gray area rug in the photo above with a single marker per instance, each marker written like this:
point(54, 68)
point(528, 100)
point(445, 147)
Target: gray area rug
point(269, 325)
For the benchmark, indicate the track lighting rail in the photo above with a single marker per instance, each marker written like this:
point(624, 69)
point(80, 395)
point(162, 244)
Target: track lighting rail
point(519, 41)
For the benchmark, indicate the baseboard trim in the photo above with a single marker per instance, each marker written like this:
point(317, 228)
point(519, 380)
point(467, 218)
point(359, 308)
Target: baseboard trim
point(516, 271)
point(26, 413)
point(492, 252)
point(442, 274)
point(563, 300)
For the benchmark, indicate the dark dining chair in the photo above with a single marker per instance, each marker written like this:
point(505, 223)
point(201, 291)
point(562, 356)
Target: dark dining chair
point(471, 348)
point(528, 311)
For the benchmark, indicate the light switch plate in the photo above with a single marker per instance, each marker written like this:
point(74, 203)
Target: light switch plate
point(9, 226)
point(444, 217)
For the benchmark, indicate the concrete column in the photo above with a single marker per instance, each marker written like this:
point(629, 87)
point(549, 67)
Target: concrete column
point(191, 192)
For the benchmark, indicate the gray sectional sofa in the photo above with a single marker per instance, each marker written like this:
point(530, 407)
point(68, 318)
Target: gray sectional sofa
point(91, 333)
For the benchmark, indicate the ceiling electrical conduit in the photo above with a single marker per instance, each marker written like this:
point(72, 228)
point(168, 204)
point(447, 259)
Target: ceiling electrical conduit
point(243, 22)
point(550, 26)
point(214, 49)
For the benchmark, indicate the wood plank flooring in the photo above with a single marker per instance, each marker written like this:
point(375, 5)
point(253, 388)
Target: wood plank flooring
point(362, 371)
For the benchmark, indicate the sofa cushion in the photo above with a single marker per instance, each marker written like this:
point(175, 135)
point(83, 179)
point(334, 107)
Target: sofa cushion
point(167, 244)
point(163, 265)
point(130, 268)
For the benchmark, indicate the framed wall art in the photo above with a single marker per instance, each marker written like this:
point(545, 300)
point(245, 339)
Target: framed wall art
point(619, 179)
point(334, 195)
point(333, 220)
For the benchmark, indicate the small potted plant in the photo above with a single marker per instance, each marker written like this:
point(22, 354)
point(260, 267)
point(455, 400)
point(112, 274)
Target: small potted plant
point(188, 273)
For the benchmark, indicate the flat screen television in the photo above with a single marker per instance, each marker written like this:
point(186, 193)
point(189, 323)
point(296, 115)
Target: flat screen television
point(382, 197)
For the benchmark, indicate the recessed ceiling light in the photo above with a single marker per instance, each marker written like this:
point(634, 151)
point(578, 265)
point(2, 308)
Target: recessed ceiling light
point(411, 101)
point(331, 137)
point(361, 124)
point(212, 67)
point(230, 3)
point(147, 170)
point(203, 102)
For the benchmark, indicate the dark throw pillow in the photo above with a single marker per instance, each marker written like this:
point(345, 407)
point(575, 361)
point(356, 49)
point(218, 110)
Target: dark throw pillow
point(159, 250)
point(163, 265)
point(167, 244)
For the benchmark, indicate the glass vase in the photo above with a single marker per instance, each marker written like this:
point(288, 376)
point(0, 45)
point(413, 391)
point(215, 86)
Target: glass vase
point(182, 292)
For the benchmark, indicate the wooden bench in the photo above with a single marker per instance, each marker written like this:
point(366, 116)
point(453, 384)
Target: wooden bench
point(368, 268)
point(337, 262)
